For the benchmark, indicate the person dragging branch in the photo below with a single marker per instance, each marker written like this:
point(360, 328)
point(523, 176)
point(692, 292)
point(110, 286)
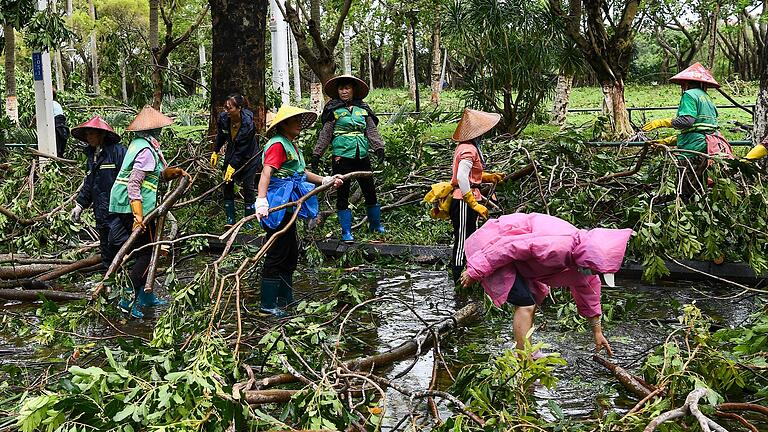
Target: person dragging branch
point(284, 179)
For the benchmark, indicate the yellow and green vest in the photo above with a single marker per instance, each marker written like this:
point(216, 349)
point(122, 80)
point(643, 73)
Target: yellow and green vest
point(294, 162)
point(697, 104)
point(349, 138)
point(118, 198)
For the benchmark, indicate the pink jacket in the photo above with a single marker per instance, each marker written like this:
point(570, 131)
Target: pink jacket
point(546, 251)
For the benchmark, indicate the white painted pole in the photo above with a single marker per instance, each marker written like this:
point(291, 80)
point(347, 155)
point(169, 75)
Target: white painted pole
point(296, 67)
point(442, 70)
point(405, 67)
point(280, 77)
point(41, 73)
point(370, 63)
point(203, 84)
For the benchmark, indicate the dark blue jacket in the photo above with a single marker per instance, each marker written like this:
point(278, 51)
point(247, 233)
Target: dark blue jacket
point(243, 146)
point(102, 172)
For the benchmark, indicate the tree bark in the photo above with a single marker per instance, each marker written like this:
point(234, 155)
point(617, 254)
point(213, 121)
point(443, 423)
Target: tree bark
point(436, 63)
point(238, 62)
point(94, 50)
point(11, 104)
point(411, 62)
point(760, 126)
point(123, 81)
point(34, 295)
point(713, 36)
point(347, 52)
point(154, 29)
point(562, 98)
point(615, 108)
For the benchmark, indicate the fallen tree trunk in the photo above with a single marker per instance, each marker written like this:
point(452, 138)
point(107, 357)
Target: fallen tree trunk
point(34, 295)
point(160, 210)
point(24, 259)
point(25, 270)
point(75, 266)
point(404, 350)
point(632, 383)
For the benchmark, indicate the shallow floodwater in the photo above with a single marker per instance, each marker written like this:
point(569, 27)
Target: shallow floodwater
point(584, 389)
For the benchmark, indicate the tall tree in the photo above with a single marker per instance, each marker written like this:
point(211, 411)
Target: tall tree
point(318, 52)
point(238, 59)
point(606, 42)
point(169, 9)
point(436, 66)
point(681, 28)
point(11, 104)
point(93, 49)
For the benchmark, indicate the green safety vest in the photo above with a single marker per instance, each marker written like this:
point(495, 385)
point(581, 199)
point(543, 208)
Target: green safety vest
point(118, 197)
point(697, 104)
point(349, 138)
point(294, 162)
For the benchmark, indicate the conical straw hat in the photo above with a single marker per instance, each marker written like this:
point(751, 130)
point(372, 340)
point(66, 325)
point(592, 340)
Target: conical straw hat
point(474, 123)
point(696, 72)
point(148, 119)
point(331, 87)
point(96, 122)
point(287, 111)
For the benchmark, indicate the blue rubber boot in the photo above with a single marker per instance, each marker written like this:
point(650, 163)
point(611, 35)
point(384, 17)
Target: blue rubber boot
point(285, 294)
point(229, 210)
point(149, 299)
point(249, 210)
point(269, 290)
point(345, 220)
point(130, 307)
point(374, 219)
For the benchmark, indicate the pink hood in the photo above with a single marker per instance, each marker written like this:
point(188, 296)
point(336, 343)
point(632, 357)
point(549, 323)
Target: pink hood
point(546, 251)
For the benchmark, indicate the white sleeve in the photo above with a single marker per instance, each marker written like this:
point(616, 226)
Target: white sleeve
point(462, 175)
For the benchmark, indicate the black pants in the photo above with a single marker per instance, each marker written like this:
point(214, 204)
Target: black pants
point(283, 256)
point(520, 294)
point(120, 227)
point(247, 183)
point(342, 165)
point(107, 254)
point(464, 221)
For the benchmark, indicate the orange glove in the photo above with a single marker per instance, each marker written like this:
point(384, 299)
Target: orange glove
point(138, 214)
point(172, 173)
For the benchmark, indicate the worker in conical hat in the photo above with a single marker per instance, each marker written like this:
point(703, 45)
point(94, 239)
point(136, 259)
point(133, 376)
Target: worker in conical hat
point(467, 175)
point(696, 118)
point(133, 195)
point(283, 179)
point(350, 128)
point(104, 156)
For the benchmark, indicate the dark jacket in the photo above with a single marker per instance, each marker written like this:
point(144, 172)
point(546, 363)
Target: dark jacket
point(62, 134)
point(102, 172)
point(243, 147)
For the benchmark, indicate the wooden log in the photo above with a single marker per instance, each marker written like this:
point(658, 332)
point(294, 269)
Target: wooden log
point(34, 295)
point(75, 266)
point(404, 350)
point(160, 210)
point(629, 381)
point(24, 260)
point(260, 397)
point(25, 270)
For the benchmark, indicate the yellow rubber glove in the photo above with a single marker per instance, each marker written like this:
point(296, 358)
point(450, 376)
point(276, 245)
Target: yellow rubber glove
point(758, 152)
point(138, 214)
point(214, 159)
point(482, 210)
point(658, 123)
point(228, 173)
point(668, 141)
point(493, 177)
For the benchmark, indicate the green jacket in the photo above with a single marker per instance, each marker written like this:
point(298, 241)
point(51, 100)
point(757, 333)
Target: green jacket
point(118, 197)
point(697, 104)
point(349, 138)
point(294, 162)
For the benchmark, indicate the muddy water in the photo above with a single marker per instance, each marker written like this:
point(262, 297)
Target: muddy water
point(583, 390)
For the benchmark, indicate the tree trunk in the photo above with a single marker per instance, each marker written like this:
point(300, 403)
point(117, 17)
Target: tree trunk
point(562, 97)
point(411, 63)
point(203, 61)
point(370, 63)
point(123, 81)
point(347, 52)
point(295, 66)
point(760, 130)
point(405, 64)
point(94, 51)
point(436, 63)
point(154, 31)
point(713, 37)
point(157, 82)
point(11, 104)
point(615, 107)
point(238, 62)
point(316, 100)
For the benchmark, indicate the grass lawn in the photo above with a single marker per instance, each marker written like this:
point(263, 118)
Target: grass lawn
point(637, 96)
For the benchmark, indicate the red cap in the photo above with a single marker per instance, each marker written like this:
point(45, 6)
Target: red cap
point(96, 122)
point(696, 72)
